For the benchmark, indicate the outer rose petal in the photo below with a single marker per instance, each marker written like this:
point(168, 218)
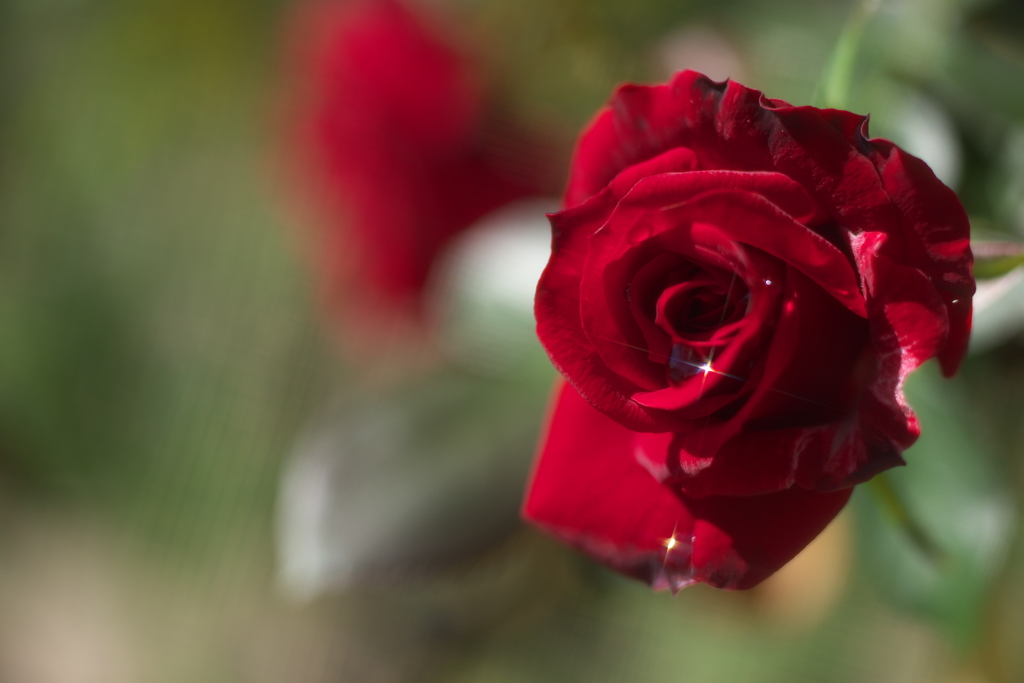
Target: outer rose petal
point(933, 223)
point(938, 239)
point(588, 491)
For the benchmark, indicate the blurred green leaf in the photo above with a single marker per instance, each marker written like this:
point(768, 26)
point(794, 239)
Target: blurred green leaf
point(835, 81)
point(995, 259)
point(1000, 27)
point(413, 480)
point(951, 489)
point(998, 310)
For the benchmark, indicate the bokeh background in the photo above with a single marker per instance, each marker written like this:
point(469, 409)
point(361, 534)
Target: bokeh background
point(212, 470)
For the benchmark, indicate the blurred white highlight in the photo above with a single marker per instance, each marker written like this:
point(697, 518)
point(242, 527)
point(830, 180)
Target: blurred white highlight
point(481, 293)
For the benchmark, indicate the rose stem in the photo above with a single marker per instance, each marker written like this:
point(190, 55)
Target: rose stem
point(834, 90)
point(899, 514)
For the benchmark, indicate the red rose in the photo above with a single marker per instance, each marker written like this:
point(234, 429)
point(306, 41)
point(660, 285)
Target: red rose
point(391, 134)
point(737, 290)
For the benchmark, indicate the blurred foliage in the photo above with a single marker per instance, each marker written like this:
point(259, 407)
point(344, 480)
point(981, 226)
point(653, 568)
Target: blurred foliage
point(161, 347)
point(157, 328)
point(952, 489)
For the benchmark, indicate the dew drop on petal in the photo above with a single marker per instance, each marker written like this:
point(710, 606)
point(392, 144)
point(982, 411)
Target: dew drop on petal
point(676, 569)
point(684, 363)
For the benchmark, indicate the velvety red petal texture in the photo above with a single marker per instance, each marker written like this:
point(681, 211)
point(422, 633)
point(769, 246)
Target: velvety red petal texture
point(740, 287)
point(391, 128)
point(588, 492)
point(937, 236)
point(862, 184)
point(799, 185)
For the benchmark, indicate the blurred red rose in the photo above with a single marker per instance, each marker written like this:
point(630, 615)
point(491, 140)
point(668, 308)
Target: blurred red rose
point(393, 143)
point(737, 290)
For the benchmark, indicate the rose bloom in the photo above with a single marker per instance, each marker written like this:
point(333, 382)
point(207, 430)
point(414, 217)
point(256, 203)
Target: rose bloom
point(393, 145)
point(736, 292)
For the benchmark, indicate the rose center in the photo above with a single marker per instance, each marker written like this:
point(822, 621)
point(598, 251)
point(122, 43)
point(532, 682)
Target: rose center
point(695, 311)
point(704, 311)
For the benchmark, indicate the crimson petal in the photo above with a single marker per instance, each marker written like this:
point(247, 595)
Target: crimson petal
point(589, 491)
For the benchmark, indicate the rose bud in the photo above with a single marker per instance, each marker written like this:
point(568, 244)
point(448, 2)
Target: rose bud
point(394, 144)
point(736, 292)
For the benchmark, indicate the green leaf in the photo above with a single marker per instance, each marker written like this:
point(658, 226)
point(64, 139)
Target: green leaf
point(835, 85)
point(406, 483)
point(998, 310)
point(995, 259)
point(952, 492)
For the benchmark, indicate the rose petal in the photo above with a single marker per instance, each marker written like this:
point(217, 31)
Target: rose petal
point(812, 385)
point(614, 342)
point(937, 234)
point(647, 284)
point(692, 112)
point(588, 491)
point(752, 215)
point(609, 322)
point(729, 126)
point(560, 329)
point(872, 254)
point(726, 218)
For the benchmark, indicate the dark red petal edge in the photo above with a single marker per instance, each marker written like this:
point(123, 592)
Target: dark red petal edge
point(937, 232)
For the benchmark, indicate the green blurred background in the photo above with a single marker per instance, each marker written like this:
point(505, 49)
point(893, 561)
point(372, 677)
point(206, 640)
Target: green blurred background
point(162, 349)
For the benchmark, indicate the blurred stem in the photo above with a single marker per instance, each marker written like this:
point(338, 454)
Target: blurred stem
point(834, 90)
point(896, 510)
point(996, 258)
